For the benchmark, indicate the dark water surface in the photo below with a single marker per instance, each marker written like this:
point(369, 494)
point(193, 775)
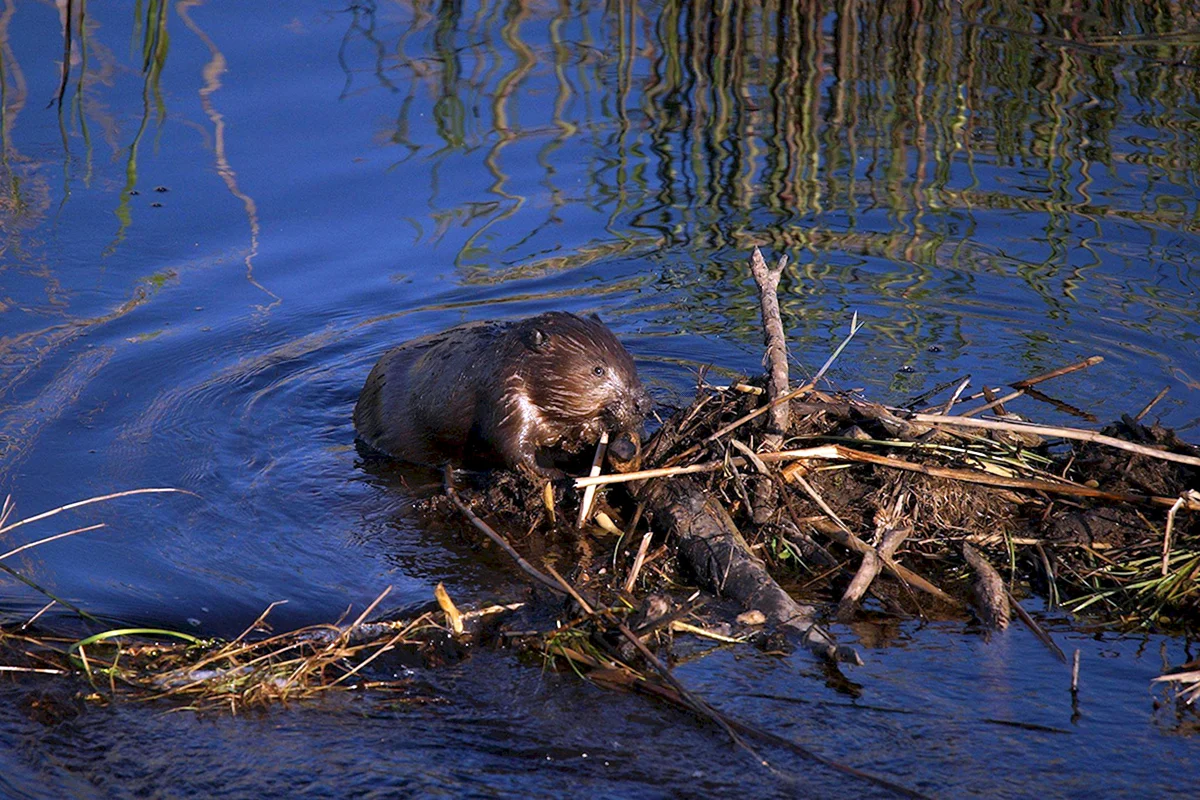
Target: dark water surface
point(234, 209)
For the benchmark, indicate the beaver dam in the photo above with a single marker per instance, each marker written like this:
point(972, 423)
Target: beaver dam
point(753, 517)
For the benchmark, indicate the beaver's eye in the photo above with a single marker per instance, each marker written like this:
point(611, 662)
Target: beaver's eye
point(598, 371)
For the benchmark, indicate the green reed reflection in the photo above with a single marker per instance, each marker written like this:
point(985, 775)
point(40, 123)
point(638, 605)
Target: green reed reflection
point(155, 44)
point(717, 124)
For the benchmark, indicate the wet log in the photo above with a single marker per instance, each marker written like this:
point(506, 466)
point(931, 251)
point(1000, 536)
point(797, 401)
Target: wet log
point(990, 598)
point(710, 544)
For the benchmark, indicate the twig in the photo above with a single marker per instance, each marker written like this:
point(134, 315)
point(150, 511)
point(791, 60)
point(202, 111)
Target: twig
point(811, 491)
point(1166, 556)
point(855, 327)
point(1091, 361)
point(905, 574)
point(1062, 433)
point(775, 358)
point(570, 590)
point(868, 569)
point(89, 501)
point(1038, 631)
point(639, 560)
point(824, 451)
point(891, 533)
point(962, 387)
point(1146, 410)
point(41, 611)
point(500, 541)
point(31, 545)
point(998, 402)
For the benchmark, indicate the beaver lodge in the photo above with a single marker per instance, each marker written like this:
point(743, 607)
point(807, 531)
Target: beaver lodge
point(755, 516)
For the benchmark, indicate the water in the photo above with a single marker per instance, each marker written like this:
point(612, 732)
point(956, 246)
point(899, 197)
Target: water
point(996, 191)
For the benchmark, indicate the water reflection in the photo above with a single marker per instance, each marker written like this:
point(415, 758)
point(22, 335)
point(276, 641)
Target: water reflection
point(926, 154)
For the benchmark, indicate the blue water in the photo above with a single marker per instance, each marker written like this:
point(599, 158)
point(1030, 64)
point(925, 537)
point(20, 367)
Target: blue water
point(995, 191)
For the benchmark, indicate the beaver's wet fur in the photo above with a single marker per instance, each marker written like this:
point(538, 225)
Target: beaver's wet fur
point(516, 394)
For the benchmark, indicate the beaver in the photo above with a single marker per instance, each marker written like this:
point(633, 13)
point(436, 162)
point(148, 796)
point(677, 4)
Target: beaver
point(517, 394)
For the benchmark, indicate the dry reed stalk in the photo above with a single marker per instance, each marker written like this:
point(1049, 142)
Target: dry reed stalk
point(1053, 431)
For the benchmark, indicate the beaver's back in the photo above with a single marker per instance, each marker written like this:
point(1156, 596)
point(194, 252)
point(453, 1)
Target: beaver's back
point(421, 399)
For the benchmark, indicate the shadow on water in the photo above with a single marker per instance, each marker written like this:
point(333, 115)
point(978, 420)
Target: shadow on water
point(998, 188)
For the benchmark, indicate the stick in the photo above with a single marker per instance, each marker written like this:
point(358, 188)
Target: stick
point(89, 501)
point(500, 541)
point(992, 404)
point(1091, 361)
point(30, 545)
point(840, 453)
point(696, 703)
point(987, 479)
point(639, 560)
point(855, 327)
point(1038, 631)
point(1066, 408)
point(589, 492)
point(776, 356)
point(1166, 558)
point(856, 544)
point(962, 387)
point(824, 451)
point(1062, 433)
point(1152, 404)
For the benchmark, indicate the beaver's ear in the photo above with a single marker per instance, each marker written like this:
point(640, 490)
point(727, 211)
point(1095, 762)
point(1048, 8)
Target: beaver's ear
point(596, 317)
point(536, 338)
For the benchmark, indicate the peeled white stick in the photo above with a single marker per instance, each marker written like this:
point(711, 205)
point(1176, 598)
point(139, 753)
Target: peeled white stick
point(589, 493)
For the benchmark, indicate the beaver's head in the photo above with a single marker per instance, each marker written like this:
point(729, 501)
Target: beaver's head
point(580, 378)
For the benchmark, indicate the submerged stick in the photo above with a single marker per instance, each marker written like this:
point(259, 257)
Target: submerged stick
point(500, 541)
point(1062, 433)
point(697, 704)
point(991, 404)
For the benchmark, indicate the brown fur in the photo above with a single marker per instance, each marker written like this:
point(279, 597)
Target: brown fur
point(489, 393)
